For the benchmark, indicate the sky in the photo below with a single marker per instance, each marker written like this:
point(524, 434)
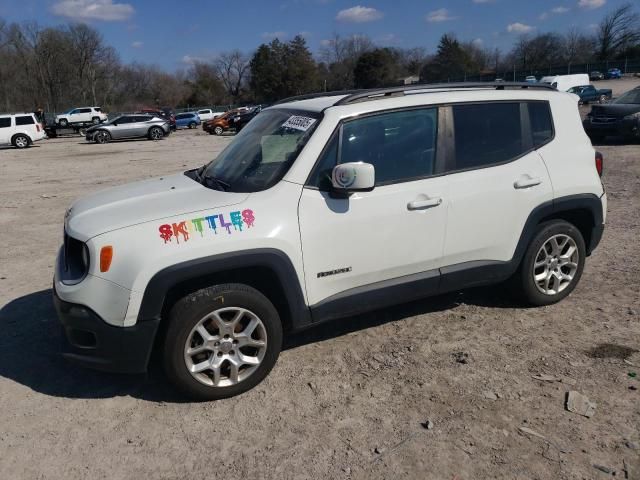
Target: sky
point(175, 33)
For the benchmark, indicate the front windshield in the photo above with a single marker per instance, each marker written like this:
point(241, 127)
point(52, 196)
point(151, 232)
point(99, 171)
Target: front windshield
point(632, 96)
point(262, 153)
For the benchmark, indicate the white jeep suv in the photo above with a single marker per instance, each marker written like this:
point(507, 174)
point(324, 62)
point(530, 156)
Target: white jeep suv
point(324, 207)
point(81, 115)
point(20, 129)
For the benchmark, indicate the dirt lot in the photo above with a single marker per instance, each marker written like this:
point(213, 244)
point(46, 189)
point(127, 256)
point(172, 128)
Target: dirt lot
point(348, 400)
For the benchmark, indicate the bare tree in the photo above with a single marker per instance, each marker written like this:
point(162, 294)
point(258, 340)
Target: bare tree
point(617, 31)
point(232, 68)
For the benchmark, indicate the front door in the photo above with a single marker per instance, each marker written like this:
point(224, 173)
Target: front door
point(390, 235)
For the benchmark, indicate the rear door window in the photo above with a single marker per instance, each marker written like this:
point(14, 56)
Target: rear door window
point(487, 134)
point(25, 120)
point(5, 122)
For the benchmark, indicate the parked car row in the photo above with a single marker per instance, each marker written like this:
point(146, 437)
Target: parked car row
point(234, 120)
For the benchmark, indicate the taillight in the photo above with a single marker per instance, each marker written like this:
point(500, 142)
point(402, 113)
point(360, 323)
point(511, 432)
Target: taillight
point(37, 127)
point(599, 163)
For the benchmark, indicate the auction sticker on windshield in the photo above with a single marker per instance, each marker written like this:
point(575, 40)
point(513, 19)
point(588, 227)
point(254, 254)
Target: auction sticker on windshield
point(299, 123)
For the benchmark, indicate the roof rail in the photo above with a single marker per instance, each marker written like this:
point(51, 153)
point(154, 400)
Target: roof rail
point(310, 96)
point(378, 93)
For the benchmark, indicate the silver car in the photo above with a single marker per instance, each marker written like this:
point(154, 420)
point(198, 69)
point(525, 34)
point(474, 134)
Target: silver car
point(129, 126)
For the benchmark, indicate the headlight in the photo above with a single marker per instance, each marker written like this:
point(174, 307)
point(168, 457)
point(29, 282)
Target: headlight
point(633, 116)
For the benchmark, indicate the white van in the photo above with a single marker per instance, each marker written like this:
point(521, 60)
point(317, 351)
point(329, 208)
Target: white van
point(20, 129)
point(565, 82)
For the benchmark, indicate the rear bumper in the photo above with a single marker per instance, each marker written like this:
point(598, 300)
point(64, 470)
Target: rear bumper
point(93, 343)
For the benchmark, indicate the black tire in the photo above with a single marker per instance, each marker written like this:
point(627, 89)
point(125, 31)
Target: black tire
point(102, 137)
point(63, 122)
point(155, 133)
point(95, 120)
point(192, 125)
point(21, 141)
point(190, 310)
point(218, 130)
point(525, 284)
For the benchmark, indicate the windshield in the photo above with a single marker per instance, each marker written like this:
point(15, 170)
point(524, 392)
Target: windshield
point(262, 152)
point(632, 96)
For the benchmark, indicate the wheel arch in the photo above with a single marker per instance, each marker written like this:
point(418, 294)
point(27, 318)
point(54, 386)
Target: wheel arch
point(267, 270)
point(584, 211)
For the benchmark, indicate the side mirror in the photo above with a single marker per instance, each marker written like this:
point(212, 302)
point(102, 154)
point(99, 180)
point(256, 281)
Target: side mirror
point(353, 177)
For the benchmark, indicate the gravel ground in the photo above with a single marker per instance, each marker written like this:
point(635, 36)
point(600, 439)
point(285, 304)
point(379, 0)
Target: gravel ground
point(348, 400)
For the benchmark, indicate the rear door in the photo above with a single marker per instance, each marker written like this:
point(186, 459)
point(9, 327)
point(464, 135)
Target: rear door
point(496, 178)
point(139, 126)
point(123, 127)
point(5, 130)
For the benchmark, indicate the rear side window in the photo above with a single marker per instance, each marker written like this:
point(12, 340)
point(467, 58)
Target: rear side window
point(487, 134)
point(541, 123)
point(25, 120)
point(5, 122)
point(84, 110)
point(98, 109)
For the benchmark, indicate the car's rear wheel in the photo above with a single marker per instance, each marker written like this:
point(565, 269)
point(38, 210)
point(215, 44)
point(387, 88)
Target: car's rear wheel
point(155, 133)
point(553, 263)
point(95, 120)
point(21, 141)
point(603, 99)
point(192, 125)
point(102, 136)
point(218, 130)
point(221, 341)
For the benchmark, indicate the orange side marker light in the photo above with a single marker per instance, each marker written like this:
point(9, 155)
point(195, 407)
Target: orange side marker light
point(106, 255)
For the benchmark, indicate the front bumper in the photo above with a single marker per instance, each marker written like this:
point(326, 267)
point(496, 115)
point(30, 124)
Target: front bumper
point(621, 127)
point(93, 343)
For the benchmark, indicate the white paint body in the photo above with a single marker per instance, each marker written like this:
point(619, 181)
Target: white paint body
point(34, 131)
point(479, 213)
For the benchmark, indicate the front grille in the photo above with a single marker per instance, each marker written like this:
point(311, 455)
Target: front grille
point(604, 119)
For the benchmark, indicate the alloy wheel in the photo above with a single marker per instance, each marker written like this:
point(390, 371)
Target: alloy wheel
point(21, 142)
point(225, 347)
point(556, 264)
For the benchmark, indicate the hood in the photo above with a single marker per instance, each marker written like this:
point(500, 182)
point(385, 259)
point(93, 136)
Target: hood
point(140, 202)
point(615, 109)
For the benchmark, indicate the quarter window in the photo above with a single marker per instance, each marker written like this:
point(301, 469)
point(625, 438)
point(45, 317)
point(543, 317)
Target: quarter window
point(25, 120)
point(541, 123)
point(5, 122)
point(487, 134)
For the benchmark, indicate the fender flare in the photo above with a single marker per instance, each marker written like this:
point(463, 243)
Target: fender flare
point(277, 261)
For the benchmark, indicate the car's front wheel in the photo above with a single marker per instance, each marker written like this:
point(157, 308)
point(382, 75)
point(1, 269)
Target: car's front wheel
point(192, 125)
point(155, 133)
point(221, 341)
point(218, 130)
point(553, 263)
point(102, 136)
point(603, 99)
point(63, 122)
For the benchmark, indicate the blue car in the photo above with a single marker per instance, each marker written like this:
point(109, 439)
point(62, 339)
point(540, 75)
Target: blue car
point(614, 73)
point(190, 120)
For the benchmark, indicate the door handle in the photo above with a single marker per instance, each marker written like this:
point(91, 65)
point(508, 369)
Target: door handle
point(423, 204)
point(526, 182)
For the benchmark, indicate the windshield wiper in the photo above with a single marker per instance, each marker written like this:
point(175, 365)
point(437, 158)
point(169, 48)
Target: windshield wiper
point(216, 182)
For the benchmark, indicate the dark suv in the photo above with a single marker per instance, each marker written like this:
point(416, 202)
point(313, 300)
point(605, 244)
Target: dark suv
point(620, 117)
